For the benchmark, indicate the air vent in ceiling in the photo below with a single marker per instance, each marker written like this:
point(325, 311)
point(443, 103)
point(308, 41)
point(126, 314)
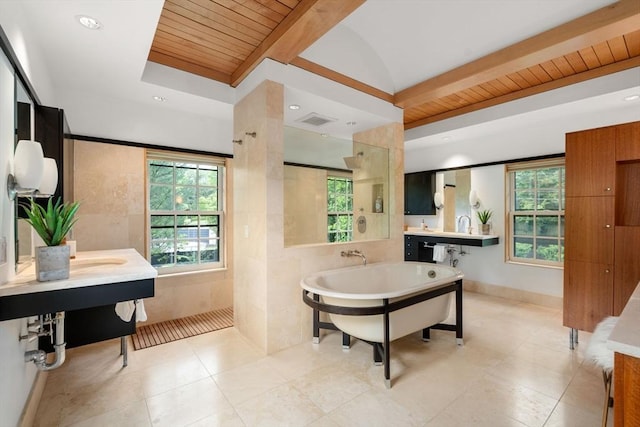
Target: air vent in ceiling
point(315, 119)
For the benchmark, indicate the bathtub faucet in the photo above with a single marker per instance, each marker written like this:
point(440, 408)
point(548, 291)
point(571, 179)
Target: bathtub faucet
point(351, 253)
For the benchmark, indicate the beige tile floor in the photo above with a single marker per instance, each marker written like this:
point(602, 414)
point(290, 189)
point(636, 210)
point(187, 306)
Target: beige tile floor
point(515, 369)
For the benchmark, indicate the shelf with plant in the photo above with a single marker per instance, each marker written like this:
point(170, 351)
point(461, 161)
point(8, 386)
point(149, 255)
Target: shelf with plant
point(484, 216)
point(52, 223)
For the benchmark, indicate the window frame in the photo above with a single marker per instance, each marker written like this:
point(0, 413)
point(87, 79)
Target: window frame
point(175, 157)
point(510, 211)
point(338, 214)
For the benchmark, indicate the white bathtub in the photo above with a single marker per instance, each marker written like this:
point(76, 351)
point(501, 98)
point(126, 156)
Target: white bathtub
point(381, 302)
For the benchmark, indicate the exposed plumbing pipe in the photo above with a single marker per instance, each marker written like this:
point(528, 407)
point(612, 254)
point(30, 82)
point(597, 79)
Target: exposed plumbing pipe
point(39, 357)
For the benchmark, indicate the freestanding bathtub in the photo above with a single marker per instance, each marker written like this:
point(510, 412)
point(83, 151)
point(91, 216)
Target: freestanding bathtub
point(381, 302)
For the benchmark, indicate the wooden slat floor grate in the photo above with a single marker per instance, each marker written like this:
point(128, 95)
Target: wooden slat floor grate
point(172, 330)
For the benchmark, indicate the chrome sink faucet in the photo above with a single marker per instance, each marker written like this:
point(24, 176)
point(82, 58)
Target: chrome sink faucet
point(464, 230)
point(351, 253)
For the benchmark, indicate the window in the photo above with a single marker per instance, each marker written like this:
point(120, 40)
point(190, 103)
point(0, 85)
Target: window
point(536, 212)
point(340, 209)
point(186, 212)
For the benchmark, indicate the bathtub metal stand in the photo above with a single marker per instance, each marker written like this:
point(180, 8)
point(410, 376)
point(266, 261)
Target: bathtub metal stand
point(381, 351)
point(317, 325)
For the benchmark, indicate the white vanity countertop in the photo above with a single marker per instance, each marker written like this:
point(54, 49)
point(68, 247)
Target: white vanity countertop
point(625, 337)
point(87, 269)
point(417, 231)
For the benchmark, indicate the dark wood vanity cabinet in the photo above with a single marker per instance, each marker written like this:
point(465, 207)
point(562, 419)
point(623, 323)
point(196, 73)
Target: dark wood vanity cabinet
point(418, 193)
point(418, 248)
point(602, 223)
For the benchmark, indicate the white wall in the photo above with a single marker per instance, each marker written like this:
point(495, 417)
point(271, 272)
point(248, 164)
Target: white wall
point(144, 122)
point(16, 376)
point(525, 131)
point(487, 265)
point(31, 59)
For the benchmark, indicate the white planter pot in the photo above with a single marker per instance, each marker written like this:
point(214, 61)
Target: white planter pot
point(52, 263)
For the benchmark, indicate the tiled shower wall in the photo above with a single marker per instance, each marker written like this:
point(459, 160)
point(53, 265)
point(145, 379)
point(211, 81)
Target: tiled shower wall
point(267, 295)
point(109, 182)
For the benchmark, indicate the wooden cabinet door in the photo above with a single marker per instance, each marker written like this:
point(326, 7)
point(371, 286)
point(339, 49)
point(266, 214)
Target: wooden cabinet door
point(418, 193)
point(588, 294)
point(628, 142)
point(626, 389)
point(590, 162)
point(589, 229)
point(410, 248)
point(627, 266)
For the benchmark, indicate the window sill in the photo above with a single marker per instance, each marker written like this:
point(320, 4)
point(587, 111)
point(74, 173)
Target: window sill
point(190, 272)
point(533, 264)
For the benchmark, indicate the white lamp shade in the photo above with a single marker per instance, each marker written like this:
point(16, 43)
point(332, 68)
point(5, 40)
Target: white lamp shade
point(438, 199)
point(28, 164)
point(473, 199)
point(49, 178)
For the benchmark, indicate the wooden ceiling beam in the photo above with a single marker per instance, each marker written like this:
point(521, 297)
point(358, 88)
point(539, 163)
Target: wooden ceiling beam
point(306, 23)
point(318, 69)
point(608, 22)
point(614, 67)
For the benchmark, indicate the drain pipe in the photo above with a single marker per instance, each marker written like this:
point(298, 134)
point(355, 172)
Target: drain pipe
point(39, 357)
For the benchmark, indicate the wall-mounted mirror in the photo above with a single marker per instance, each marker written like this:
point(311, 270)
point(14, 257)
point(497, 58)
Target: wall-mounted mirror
point(335, 190)
point(23, 122)
point(456, 188)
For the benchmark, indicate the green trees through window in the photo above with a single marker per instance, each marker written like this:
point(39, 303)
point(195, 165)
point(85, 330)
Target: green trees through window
point(185, 207)
point(537, 214)
point(339, 209)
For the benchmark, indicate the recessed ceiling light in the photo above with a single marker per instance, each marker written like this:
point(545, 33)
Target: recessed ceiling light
point(159, 98)
point(294, 107)
point(351, 123)
point(631, 97)
point(89, 22)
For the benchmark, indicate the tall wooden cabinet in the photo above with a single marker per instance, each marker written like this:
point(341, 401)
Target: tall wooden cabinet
point(602, 223)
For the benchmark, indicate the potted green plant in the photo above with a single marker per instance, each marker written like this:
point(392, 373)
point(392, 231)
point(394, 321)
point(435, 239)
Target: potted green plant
point(52, 225)
point(484, 216)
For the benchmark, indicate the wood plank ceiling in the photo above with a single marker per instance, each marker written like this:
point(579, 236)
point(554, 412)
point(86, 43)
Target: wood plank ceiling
point(225, 39)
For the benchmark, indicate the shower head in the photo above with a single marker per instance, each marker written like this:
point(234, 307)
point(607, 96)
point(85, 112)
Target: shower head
point(354, 162)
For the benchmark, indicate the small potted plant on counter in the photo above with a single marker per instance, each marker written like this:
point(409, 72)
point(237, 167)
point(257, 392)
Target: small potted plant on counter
point(52, 225)
point(484, 217)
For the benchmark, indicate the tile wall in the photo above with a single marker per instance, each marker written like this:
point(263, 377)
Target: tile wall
point(109, 182)
point(267, 296)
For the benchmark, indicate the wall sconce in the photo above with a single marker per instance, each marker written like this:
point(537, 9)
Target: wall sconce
point(438, 200)
point(33, 175)
point(49, 181)
point(474, 201)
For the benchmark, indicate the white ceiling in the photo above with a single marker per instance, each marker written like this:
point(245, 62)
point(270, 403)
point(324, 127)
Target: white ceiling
point(389, 44)
point(419, 39)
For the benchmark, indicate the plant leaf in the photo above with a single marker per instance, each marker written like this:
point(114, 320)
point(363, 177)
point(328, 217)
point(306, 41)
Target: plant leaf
point(53, 223)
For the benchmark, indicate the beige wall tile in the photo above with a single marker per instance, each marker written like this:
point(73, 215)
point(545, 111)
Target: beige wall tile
point(267, 295)
point(109, 181)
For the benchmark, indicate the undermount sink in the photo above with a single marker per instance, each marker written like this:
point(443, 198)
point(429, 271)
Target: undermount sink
point(82, 264)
